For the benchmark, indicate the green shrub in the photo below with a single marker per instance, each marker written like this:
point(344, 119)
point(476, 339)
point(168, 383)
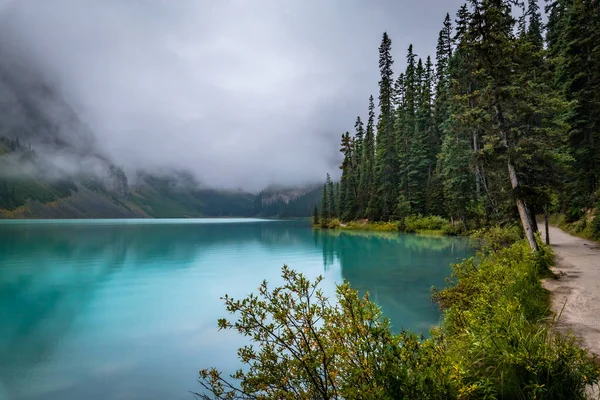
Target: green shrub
point(459, 228)
point(588, 228)
point(496, 237)
point(501, 348)
point(333, 223)
point(595, 224)
point(416, 223)
point(373, 226)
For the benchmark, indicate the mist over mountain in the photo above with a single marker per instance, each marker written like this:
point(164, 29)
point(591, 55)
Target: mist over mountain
point(243, 95)
point(142, 101)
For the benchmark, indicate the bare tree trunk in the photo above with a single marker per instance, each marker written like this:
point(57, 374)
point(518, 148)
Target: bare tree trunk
point(533, 217)
point(524, 212)
point(547, 225)
point(477, 173)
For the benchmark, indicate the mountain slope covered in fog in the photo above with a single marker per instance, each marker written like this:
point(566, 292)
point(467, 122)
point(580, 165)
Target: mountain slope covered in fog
point(50, 168)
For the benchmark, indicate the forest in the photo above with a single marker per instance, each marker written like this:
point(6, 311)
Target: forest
point(503, 124)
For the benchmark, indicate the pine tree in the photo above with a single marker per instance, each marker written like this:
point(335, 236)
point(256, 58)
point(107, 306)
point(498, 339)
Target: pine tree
point(406, 125)
point(347, 204)
point(491, 39)
point(442, 76)
point(331, 196)
point(366, 192)
point(542, 144)
point(418, 162)
point(574, 43)
point(315, 218)
point(325, 205)
point(386, 165)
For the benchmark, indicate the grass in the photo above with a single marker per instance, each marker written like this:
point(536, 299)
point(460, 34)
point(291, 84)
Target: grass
point(423, 225)
point(499, 342)
point(588, 227)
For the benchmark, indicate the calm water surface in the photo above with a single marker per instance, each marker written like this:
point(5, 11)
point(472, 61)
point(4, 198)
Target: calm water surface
point(127, 309)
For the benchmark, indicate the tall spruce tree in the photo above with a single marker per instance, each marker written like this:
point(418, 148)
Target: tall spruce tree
point(418, 162)
point(325, 204)
point(366, 198)
point(406, 115)
point(492, 40)
point(348, 180)
point(331, 197)
point(574, 43)
point(386, 161)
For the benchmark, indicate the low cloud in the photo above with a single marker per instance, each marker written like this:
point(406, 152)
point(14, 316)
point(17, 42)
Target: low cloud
point(243, 94)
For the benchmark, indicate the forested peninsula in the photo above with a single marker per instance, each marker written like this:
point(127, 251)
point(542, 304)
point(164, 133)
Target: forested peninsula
point(505, 126)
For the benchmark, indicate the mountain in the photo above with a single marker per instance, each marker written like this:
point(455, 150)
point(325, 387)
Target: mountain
point(288, 202)
point(50, 168)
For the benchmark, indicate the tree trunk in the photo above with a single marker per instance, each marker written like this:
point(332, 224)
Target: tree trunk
point(524, 214)
point(547, 225)
point(526, 218)
point(477, 174)
point(534, 219)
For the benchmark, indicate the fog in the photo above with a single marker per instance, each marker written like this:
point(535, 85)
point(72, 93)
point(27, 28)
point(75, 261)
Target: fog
point(243, 94)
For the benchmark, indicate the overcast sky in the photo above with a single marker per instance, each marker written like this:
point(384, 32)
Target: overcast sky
point(242, 93)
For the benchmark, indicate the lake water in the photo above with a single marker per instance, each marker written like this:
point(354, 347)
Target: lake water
point(127, 309)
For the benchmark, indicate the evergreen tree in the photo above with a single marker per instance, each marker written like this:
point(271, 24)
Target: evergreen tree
point(331, 196)
point(574, 43)
point(406, 123)
point(442, 76)
point(366, 198)
point(491, 39)
point(325, 204)
point(315, 218)
point(348, 187)
point(358, 145)
point(418, 155)
point(336, 187)
point(386, 165)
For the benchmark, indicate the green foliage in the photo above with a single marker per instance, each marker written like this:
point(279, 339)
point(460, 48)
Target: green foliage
point(389, 226)
point(305, 346)
point(595, 225)
point(493, 343)
point(588, 226)
point(315, 217)
point(492, 131)
point(333, 223)
point(418, 223)
point(496, 237)
point(495, 308)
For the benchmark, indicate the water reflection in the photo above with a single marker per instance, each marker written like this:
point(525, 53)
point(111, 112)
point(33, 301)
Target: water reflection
point(128, 310)
point(398, 271)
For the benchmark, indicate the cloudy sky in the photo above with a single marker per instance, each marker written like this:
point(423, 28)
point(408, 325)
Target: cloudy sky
point(242, 93)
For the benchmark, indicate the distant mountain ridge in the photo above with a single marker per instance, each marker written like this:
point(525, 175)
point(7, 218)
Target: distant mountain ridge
point(50, 168)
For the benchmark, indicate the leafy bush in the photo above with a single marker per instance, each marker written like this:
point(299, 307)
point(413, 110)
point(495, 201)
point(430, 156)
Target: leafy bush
point(373, 226)
point(586, 228)
point(595, 224)
point(416, 223)
point(496, 237)
point(333, 223)
point(459, 228)
point(493, 343)
point(309, 348)
point(495, 308)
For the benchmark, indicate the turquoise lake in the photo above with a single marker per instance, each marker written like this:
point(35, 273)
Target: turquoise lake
point(127, 309)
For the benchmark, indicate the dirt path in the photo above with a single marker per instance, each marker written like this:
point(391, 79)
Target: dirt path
point(577, 287)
